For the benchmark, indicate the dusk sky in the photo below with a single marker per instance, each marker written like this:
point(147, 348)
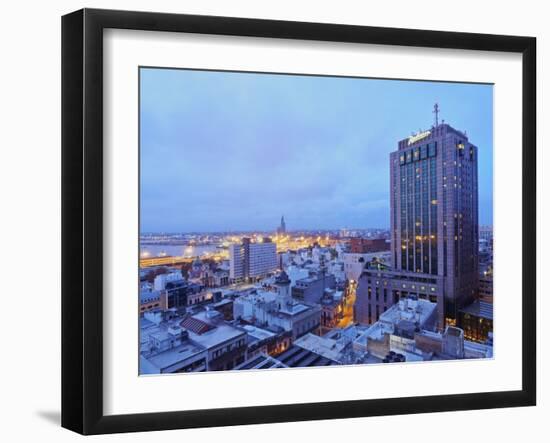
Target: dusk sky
point(234, 151)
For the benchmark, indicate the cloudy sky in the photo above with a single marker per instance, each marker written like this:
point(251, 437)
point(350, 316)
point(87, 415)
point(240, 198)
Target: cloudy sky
point(234, 151)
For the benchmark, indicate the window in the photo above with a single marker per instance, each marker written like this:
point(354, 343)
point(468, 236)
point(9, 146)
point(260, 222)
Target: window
point(432, 149)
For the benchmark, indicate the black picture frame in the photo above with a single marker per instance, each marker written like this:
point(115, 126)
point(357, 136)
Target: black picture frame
point(82, 218)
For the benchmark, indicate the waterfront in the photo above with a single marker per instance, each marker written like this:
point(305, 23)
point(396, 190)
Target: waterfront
point(187, 251)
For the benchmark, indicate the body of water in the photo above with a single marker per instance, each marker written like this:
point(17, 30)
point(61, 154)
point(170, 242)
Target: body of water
point(176, 250)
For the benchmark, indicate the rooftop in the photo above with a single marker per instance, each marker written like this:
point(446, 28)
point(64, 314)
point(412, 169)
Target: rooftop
point(261, 362)
point(258, 333)
point(146, 295)
point(412, 310)
point(297, 357)
point(219, 331)
point(325, 347)
point(169, 357)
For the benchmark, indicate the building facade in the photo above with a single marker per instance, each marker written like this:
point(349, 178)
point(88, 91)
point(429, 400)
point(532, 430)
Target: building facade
point(312, 288)
point(354, 263)
point(434, 212)
point(248, 260)
point(380, 288)
point(360, 245)
point(434, 228)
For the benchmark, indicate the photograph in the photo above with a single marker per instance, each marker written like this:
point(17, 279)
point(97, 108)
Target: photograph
point(295, 221)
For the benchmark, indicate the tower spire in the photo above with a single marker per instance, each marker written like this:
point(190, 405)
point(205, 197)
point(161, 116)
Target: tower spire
point(436, 112)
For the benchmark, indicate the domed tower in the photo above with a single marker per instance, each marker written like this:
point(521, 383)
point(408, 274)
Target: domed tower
point(283, 286)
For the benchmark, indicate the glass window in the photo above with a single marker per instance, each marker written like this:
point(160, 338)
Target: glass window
point(432, 149)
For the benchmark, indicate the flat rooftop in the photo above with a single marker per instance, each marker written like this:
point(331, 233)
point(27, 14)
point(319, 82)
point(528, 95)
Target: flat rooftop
point(173, 356)
point(408, 309)
point(258, 333)
point(325, 347)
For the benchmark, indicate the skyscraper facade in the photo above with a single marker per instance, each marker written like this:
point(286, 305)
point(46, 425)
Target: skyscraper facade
point(434, 226)
point(434, 211)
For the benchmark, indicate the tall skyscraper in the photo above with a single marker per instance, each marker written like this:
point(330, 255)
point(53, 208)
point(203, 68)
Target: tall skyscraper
point(434, 226)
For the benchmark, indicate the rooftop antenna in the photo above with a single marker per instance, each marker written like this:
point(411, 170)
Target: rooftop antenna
point(436, 112)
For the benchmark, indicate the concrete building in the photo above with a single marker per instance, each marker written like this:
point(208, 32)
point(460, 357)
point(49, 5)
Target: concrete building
point(406, 332)
point(167, 349)
point(225, 344)
point(396, 330)
point(332, 308)
point(200, 342)
point(360, 245)
point(311, 289)
point(180, 293)
point(249, 260)
point(151, 299)
point(381, 287)
point(355, 262)
point(329, 348)
point(278, 310)
point(162, 279)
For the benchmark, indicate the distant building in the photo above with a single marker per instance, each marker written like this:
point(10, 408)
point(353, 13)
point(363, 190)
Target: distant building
point(151, 299)
point(180, 294)
point(359, 245)
point(162, 279)
point(486, 233)
point(221, 277)
point(282, 228)
point(249, 260)
point(486, 286)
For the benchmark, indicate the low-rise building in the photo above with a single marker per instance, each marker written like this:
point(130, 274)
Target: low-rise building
point(477, 321)
point(380, 287)
point(354, 262)
point(225, 344)
point(312, 288)
point(278, 309)
point(150, 299)
point(200, 342)
point(180, 293)
point(365, 245)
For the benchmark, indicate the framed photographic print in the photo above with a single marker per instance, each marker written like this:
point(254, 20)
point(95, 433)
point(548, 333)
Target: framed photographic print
point(268, 221)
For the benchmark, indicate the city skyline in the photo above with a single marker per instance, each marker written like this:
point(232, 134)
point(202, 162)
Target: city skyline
point(230, 152)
